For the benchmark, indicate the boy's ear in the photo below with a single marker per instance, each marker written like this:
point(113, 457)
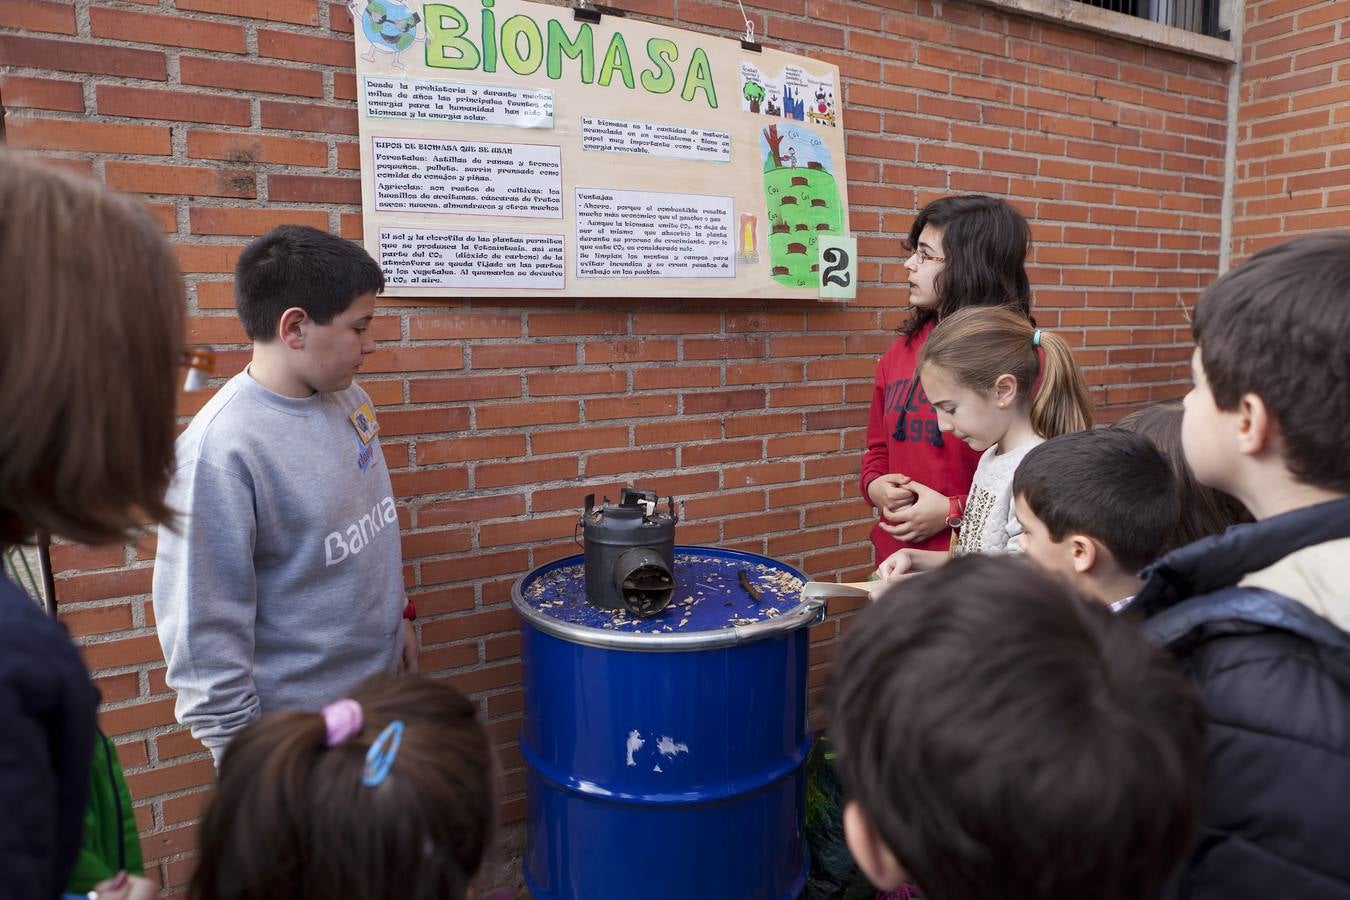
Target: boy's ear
point(1255, 425)
point(1084, 552)
point(1005, 389)
point(291, 327)
point(870, 851)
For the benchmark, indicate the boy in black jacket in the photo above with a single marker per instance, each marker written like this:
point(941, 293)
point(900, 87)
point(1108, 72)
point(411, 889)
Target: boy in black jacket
point(1257, 615)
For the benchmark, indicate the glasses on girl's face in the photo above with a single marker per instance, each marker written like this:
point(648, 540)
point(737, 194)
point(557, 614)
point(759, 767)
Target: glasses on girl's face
point(907, 246)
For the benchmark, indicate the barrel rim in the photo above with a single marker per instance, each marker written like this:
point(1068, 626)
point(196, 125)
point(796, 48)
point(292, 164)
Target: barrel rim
point(808, 612)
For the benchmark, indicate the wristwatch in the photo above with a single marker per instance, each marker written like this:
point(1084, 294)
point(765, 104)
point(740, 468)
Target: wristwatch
point(410, 611)
point(956, 506)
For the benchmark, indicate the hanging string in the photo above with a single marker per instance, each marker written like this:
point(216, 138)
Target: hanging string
point(749, 25)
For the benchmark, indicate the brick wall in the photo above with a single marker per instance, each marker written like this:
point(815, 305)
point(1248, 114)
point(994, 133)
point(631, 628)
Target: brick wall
point(1293, 125)
point(232, 116)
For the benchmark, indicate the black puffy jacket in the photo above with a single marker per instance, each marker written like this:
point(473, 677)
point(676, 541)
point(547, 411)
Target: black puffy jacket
point(47, 708)
point(1274, 818)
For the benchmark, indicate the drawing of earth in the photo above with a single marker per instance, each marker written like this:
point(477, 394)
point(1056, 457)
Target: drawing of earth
point(390, 26)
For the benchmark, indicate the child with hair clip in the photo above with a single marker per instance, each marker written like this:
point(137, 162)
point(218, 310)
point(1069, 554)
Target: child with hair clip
point(964, 251)
point(385, 794)
point(1002, 386)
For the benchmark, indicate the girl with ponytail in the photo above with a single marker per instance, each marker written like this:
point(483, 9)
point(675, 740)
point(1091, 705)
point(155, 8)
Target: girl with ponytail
point(1001, 386)
point(963, 252)
point(384, 794)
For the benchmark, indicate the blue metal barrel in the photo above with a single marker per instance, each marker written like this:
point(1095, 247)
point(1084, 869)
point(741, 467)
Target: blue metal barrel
point(665, 755)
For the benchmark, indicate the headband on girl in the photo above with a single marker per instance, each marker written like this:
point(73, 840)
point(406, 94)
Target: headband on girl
point(343, 720)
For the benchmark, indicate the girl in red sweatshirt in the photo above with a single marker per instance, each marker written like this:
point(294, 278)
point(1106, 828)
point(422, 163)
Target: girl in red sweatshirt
point(964, 251)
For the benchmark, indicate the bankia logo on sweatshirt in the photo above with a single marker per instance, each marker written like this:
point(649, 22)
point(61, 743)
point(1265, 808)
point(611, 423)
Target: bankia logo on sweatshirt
point(358, 535)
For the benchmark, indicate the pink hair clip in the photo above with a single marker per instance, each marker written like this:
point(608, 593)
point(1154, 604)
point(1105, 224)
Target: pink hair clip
point(343, 718)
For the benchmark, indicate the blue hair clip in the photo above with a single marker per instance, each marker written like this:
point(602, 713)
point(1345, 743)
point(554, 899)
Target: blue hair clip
point(380, 756)
point(1036, 338)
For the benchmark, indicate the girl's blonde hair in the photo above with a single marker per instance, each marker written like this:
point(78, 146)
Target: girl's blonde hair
point(978, 345)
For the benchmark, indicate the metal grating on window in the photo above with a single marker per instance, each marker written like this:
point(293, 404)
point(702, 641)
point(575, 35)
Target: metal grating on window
point(1209, 17)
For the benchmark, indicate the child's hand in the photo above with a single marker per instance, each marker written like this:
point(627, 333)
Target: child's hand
point(125, 887)
point(890, 493)
point(895, 565)
point(921, 519)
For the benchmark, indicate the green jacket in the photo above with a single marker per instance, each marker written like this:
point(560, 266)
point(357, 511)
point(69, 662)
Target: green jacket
point(111, 843)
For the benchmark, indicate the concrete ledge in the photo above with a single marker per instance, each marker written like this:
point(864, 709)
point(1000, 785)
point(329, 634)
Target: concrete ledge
point(1120, 25)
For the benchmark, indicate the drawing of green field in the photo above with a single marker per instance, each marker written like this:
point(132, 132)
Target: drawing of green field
point(802, 198)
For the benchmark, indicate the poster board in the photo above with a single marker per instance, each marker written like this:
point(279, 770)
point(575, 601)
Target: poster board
point(511, 148)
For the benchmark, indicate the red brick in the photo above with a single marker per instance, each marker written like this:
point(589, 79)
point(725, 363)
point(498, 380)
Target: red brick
point(242, 148)
point(577, 383)
point(178, 106)
point(121, 652)
point(344, 88)
point(215, 258)
point(37, 15)
point(187, 808)
point(296, 12)
point(499, 356)
point(349, 157)
point(472, 448)
point(640, 350)
point(716, 452)
point(464, 325)
point(237, 221)
point(534, 530)
point(340, 52)
point(636, 407)
point(675, 323)
point(465, 387)
point(79, 56)
point(586, 323)
point(664, 377)
point(515, 415)
point(571, 440)
point(430, 481)
point(629, 461)
point(251, 77)
point(761, 473)
point(90, 137)
point(724, 348)
point(184, 180)
point(97, 620)
point(17, 92)
point(171, 31)
point(308, 117)
point(508, 562)
point(414, 359)
point(475, 509)
point(313, 189)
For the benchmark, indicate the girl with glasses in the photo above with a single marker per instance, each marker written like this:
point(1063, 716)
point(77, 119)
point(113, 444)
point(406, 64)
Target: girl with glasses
point(964, 251)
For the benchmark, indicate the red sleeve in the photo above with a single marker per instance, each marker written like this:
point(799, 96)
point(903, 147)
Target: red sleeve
point(876, 459)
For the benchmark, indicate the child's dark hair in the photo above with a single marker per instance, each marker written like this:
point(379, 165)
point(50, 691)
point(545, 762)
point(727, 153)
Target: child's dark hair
point(1204, 511)
point(1107, 483)
point(295, 265)
point(978, 345)
point(984, 241)
point(1276, 326)
point(1006, 737)
point(292, 819)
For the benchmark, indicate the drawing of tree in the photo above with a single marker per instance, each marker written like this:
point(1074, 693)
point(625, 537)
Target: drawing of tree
point(773, 138)
point(755, 94)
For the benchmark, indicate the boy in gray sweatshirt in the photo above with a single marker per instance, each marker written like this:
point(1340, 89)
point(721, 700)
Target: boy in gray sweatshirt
point(282, 586)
